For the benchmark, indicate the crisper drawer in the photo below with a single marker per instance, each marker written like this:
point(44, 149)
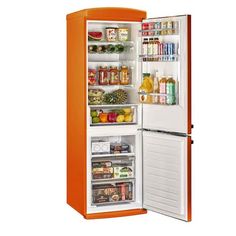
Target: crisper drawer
point(112, 193)
point(116, 168)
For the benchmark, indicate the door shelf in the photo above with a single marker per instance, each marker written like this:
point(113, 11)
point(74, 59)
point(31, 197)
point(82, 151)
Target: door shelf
point(157, 94)
point(159, 58)
point(158, 32)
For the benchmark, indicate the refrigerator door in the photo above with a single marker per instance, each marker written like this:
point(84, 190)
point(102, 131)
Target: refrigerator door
point(172, 118)
point(167, 174)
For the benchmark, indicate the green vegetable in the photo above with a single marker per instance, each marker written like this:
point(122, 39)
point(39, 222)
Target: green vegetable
point(95, 120)
point(94, 113)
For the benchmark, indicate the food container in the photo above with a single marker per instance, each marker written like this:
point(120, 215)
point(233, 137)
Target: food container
point(124, 75)
point(111, 34)
point(119, 148)
point(103, 75)
point(100, 147)
point(95, 96)
point(123, 34)
point(118, 192)
point(102, 170)
point(91, 76)
point(114, 75)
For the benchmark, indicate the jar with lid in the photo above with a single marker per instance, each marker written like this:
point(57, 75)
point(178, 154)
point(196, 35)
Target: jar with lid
point(114, 75)
point(103, 75)
point(124, 75)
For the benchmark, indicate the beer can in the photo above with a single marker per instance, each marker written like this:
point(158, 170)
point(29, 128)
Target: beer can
point(169, 24)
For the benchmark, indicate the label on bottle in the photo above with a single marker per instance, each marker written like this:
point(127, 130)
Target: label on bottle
point(150, 49)
point(170, 90)
point(162, 90)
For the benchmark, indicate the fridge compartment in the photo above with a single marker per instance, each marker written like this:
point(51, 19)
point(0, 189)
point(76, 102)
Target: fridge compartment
point(119, 115)
point(125, 143)
point(113, 169)
point(113, 193)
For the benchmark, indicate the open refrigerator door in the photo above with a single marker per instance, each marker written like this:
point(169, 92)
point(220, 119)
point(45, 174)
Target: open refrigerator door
point(166, 70)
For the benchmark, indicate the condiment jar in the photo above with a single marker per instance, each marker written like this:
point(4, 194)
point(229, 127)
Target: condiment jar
point(103, 75)
point(124, 75)
point(114, 75)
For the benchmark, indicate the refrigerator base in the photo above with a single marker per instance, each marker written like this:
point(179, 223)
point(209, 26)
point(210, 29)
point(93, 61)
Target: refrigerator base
point(115, 214)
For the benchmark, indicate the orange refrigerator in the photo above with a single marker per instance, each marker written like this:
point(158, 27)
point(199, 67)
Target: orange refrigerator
point(128, 113)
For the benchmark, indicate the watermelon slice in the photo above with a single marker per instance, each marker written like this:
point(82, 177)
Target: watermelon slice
point(94, 36)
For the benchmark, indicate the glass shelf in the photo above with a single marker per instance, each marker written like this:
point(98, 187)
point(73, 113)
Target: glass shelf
point(156, 94)
point(112, 105)
point(110, 155)
point(112, 43)
point(112, 180)
point(111, 86)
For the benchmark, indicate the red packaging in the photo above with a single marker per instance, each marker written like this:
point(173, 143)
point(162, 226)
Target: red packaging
point(145, 26)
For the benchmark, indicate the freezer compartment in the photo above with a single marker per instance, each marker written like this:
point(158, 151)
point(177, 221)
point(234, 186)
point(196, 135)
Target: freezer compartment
point(110, 115)
point(111, 146)
point(112, 193)
point(113, 169)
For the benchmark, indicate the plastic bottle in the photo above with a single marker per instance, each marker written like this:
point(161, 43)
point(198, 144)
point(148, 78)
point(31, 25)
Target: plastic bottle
point(162, 90)
point(170, 91)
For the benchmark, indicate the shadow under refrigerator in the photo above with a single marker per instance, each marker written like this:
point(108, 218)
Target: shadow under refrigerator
point(128, 113)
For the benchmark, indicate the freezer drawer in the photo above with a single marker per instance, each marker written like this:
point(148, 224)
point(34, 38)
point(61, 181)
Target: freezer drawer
point(166, 174)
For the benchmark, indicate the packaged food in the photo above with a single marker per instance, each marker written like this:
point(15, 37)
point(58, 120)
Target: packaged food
point(95, 96)
point(123, 34)
point(123, 172)
point(119, 148)
point(102, 170)
point(114, 75)
point(100, 147)
point(95, 92)
point(111, 34)
point(103, 75)
point(103, 193)
point(124, 75)
point(91, 76)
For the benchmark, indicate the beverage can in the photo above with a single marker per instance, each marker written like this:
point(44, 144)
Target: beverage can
point(169, 24)
point(145, 26)
point(171, 48)
point(165, 48)
point(158, 25)
point(151, 33)
point(164, 24)
point(151, 25)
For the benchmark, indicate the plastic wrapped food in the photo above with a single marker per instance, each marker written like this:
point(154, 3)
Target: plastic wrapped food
point(91, 76)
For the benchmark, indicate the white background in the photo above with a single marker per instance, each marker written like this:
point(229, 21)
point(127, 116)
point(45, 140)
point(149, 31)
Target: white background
point(33, 121)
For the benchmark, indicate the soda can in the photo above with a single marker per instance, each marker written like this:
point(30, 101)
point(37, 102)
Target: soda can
point(171, 48)
point(151, 25)
point(158, 25)
point(165, 48)
point(145, 26)
point(169, 24)
point(164, 24)
point(151, 33)
point(160, 49)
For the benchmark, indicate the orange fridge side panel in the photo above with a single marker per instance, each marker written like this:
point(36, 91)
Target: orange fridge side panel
point(189, 179)
point(76, 114)
point(110, 13)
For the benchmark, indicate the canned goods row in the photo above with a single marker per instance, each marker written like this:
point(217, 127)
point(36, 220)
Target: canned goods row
point(160, 28)
point(160, 25)
point(162, 58)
